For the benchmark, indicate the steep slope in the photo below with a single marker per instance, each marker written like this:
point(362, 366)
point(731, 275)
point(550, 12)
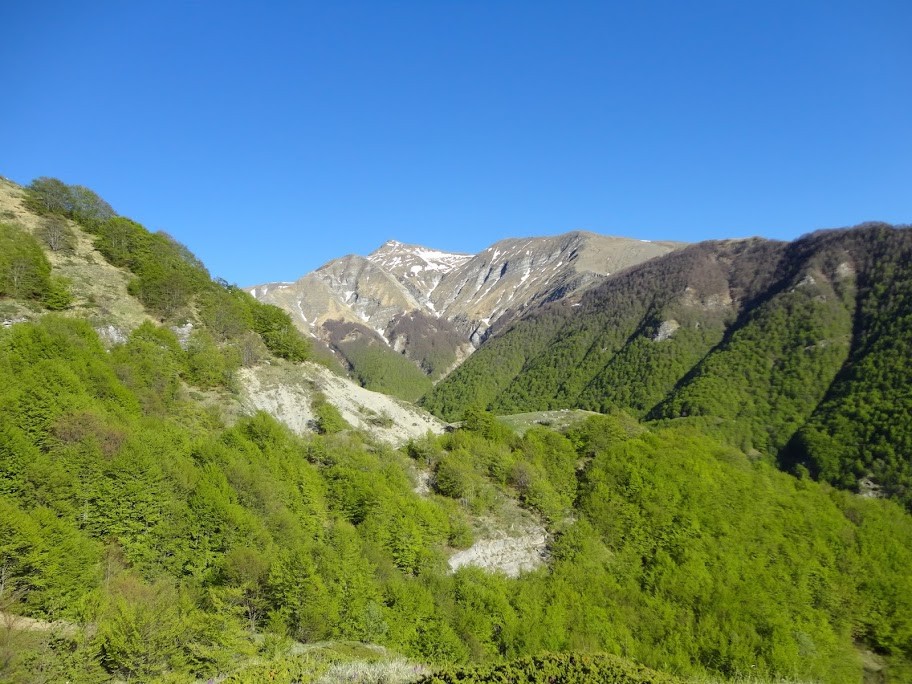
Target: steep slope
point(751, 339)
point(376, 325)
point(211, 330)
point(289, 393)
point(436, 307)
point(166, 540)
point(418, 268)
point(350, 288)
point(546, 359)
point(860, 435)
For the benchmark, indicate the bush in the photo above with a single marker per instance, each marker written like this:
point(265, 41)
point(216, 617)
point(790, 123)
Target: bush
point(58, 296)
point(563, 668)
point(49, 196)
point(328, 419)
point(278, 332)
point(25, 273)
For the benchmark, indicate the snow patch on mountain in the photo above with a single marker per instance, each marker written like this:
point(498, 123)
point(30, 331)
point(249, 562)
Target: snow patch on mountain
point(473, 293)
point(398, 257)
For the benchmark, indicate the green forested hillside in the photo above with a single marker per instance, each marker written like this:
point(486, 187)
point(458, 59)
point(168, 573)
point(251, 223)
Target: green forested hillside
point(862, 428)
point(802, 345)
point(151, 539)
point(25, 272)
point(129, 508)
point(175, 537)
point(547, 359)
point(553, 668)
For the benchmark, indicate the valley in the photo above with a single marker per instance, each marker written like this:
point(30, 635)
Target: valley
point(628, 461)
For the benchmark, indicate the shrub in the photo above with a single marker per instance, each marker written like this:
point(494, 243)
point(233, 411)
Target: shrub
point(328, 419)
point(563, 668)
point(25, 273)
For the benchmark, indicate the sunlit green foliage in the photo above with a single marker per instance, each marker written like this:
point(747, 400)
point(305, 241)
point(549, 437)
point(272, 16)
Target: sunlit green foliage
point(207, 364)
point(486, 374)
point(668, 547)
point(277, 331)
point(559, 356)
point(763, 382)
point(539, 469)
point(123, 505)
point(169, 280)
point(50, 196)
point(329, 420)
point(377, 367)
point(862, 428)
point(679, 540)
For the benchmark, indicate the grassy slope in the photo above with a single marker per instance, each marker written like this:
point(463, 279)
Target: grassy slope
point(100, 289)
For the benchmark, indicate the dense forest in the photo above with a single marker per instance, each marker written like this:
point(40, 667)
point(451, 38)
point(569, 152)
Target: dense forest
point(157, 539)
point(798, 351)
point(129, 508)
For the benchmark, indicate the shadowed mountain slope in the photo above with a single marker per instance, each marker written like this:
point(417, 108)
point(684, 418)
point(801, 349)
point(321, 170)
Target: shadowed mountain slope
point(797, 350)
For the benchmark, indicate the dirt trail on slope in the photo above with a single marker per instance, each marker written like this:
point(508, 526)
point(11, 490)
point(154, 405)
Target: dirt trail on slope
point(11, 622)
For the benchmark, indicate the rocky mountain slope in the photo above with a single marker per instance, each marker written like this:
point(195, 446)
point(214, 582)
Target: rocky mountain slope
point(437, 307)
point(287, 392)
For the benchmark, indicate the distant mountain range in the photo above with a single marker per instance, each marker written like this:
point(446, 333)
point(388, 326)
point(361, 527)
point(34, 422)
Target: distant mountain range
point(436, 307)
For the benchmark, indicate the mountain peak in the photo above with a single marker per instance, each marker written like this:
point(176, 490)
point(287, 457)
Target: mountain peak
point(438, 305)
point(408, 262)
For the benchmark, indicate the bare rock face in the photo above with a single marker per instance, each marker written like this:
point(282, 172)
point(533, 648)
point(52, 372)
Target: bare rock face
point(509, 555)
point(510, 276)
point(426, 303)
point(350, 288)
point(419, 269)
point(371, 293)
point(666, 330)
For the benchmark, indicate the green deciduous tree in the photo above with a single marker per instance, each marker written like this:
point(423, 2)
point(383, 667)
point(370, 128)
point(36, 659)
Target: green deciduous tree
point(25, 272)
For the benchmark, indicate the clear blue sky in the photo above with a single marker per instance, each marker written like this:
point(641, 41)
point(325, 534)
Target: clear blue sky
point(272, 137)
